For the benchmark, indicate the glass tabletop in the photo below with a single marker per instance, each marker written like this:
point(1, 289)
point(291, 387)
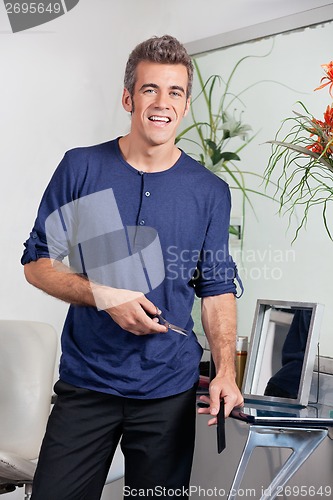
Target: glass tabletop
point(310, 416)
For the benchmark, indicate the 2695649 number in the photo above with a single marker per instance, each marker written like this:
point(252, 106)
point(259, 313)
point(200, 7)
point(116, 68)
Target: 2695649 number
point(304, 491)
point(33, 8)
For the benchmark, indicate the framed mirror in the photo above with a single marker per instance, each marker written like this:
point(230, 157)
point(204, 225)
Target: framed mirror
point(282, 352)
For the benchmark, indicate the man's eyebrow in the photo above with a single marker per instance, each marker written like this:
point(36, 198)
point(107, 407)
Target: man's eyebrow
point(148, 85)
point(178, 87)
point(155, 86)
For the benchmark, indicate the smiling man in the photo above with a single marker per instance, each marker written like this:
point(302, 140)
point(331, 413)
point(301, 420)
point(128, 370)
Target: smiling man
point(116, 210)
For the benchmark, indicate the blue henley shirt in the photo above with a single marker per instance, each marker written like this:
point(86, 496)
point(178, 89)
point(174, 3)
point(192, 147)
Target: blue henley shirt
point(188, 209)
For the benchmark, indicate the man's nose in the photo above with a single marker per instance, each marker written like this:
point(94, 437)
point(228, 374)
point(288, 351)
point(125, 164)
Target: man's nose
point(162, 100)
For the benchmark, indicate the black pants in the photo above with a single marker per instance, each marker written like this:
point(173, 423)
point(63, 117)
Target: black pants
point(84, 428)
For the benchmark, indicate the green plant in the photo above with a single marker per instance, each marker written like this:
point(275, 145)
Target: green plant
point(304, 160)
point(220, 135)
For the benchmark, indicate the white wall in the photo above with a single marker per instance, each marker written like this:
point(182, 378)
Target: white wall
point(61, 85)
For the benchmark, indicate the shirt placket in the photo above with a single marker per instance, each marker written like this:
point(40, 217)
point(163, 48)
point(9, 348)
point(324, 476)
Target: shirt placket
point(146, 193)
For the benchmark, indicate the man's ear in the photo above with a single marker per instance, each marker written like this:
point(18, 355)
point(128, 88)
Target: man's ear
point(127, 101)
point(187, 107)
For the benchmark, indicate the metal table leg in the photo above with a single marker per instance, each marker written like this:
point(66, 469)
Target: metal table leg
point(28, 491)
point(303, 441)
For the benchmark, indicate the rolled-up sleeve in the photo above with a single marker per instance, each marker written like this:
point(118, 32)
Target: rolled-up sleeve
point(35, 247)
point(56, 194)
point(216, 271)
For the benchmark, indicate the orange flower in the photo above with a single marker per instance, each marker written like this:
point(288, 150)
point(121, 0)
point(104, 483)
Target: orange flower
point(328, 68)
point(319, 148)
point(316, 147)
point(328, 117)
point(324, 132)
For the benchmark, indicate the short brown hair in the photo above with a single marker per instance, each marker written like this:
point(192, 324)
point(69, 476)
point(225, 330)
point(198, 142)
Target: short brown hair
point(164, 50)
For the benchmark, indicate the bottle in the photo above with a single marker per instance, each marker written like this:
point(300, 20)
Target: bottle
point(241, 355)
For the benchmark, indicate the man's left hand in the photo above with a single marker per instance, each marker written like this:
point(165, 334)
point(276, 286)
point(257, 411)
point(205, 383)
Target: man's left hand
point(218, 388)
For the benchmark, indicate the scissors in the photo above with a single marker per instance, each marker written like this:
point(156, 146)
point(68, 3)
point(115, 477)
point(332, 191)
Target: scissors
point(166, 323)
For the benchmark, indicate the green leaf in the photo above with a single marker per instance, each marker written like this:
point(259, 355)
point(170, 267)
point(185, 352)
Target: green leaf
point(228, 156)
point(234, 230)
point(211, 144)
point(305, 151)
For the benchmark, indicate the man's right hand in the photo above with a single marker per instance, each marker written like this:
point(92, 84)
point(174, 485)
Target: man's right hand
point(134, 313)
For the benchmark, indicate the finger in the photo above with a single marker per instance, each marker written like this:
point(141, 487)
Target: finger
point(204, 399)
point(204, 410)
point(212, 421)
point(214, 400)
point(150, 308)
point(230, 402)
point(227, 409)
point(143, 329)
point(156, 327)
point(149, 325)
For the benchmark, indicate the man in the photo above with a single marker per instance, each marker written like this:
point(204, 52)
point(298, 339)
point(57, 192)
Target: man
point(144, 227)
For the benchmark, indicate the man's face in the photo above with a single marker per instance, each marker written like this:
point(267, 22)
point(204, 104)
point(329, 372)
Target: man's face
point(159, 102)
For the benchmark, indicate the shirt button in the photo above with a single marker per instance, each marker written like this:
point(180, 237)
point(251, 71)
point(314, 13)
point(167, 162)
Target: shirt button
point(147, 193)
point(142, 222)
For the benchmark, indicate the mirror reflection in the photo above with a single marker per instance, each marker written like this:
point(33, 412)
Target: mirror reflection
point(282, 353)
point(284, 350)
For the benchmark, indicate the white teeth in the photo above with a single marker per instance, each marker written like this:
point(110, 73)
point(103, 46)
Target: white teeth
point(159, 119)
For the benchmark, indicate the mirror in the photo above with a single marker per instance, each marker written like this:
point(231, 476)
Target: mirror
point(282, 352)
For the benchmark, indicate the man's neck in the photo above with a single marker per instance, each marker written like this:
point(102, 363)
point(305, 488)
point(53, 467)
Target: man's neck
point(155, 158)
